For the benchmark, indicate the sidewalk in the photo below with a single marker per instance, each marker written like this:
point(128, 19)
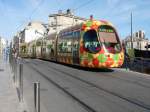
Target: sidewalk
point(9, 101)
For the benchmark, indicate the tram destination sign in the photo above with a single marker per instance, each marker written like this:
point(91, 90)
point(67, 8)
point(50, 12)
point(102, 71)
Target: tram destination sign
point(106, 30)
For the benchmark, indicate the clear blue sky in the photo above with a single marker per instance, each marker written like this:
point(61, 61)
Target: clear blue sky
point(16, 13)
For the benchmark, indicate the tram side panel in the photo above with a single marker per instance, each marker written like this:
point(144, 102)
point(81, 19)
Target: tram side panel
point(64, 49)
point(31, 52)
point(51, 47)
point(68, 46)
point(39, 48)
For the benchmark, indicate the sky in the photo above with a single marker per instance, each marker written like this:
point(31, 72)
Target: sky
point(15, 14)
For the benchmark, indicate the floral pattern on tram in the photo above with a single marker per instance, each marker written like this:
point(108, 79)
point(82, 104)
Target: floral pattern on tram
point(97, 56)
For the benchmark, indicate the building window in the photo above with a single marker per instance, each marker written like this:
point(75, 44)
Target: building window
point(55, 17)
point(76, 20)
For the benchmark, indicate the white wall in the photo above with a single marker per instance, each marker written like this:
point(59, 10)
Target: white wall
point(63, 21)
point(2, 45)
point(32, 35)
point(34, 31)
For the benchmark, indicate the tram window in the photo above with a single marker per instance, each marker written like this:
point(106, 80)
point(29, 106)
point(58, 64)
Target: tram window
point(76, 44)
point(74, 34)
point(65, 43)
point(69, 46)
point(60, 46)
point(109, 38)
point(65, 46)
point(44, 49)
point(78, 33)
point(91, 42)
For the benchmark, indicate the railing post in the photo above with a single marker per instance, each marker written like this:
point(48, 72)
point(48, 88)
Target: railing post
point(142, 65)
point(21, 81)
point(37, 96)
point(15, 70)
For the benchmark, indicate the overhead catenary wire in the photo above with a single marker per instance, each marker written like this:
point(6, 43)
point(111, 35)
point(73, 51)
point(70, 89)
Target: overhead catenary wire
point(29, 18)
point(83, 5)
point(80, 6)
point(36, 8)
point(41, 2)
point(58, 3)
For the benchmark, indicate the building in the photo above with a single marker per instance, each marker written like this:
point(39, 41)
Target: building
point(15, 42)
point(62, 20)
point(33, 31)
point(139, 41)
point(2, 45)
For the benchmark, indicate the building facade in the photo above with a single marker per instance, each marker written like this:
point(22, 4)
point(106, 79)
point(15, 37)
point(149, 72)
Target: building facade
point(33, 31)
point(15, 43)
point(2, 45)
point(61, 20)
point(139, 41)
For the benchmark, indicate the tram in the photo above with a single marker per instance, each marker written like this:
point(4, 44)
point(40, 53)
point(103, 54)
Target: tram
point(93, 44)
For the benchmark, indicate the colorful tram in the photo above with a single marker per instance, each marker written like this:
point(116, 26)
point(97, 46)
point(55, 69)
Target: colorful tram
point(93, 44)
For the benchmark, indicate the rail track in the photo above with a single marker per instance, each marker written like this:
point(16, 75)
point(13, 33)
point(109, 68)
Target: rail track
point(84, 105)
point(87, 107)
point(125, 80)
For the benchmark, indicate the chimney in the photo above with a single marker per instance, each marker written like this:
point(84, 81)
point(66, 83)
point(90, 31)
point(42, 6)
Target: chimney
point(69, 12)
point(59, 11)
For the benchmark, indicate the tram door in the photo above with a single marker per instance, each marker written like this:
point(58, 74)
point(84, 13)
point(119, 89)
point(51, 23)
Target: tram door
point(44, 52)
point(75, 51)
point(43, 49)
point(33, 51)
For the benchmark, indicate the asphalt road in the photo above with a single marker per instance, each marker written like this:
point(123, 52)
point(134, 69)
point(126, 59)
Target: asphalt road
point(68, 89)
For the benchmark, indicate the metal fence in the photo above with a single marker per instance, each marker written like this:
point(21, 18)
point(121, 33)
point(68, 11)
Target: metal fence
point(138, 64)
point(16, 65)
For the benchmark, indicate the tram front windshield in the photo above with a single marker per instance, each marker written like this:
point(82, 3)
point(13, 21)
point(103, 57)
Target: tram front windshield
point(91, 42)
point(109, 38)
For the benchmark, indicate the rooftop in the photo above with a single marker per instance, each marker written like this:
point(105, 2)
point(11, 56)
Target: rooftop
point(68, 13)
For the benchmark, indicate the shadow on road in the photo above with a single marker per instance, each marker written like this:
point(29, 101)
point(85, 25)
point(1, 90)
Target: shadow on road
point(83, 68)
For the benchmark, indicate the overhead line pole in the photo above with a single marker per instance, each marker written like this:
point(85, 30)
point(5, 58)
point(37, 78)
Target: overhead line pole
point(131, 33)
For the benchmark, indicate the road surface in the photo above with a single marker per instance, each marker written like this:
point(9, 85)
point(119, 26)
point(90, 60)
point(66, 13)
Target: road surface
point(68, 89)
